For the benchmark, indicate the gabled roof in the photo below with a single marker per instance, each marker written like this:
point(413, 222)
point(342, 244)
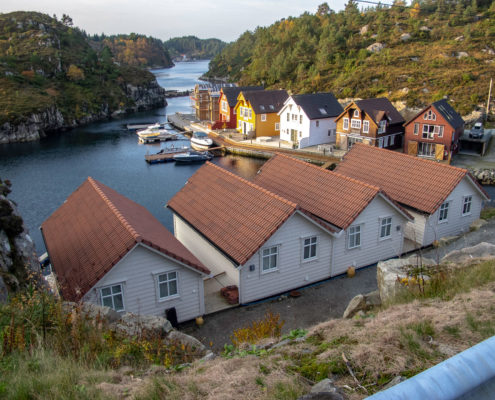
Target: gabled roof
point(265, 101)
point(447, 112)
point(378, 108)
point(231, 93)
point(415, 182)
point(334, 198)
point(318, 105)
point(94, 229)
point(237, 216)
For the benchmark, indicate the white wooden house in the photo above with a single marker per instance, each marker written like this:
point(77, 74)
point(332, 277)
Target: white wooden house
point(309, 119)
point(444, 200)
point(108, 250)
point(284, 233)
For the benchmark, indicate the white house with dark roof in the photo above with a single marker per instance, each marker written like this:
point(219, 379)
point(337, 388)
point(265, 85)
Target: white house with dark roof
point(309, 119)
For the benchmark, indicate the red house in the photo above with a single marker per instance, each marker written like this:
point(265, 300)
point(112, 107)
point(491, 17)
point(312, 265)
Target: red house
point(434, 132)
point(227, 101)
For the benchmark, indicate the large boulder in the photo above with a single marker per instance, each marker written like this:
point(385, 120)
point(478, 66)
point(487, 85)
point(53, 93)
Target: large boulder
point(482, 251)
point(388, 274)
point(375, 47)
point(134, 324)
point(358, 303)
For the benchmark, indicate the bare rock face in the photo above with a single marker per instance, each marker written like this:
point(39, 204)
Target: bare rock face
point(482, 251)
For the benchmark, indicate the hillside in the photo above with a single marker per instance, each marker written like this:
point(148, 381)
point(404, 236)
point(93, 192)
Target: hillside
point(136, 50)
point(416, 54)
point(193, 48)
point(51, 78)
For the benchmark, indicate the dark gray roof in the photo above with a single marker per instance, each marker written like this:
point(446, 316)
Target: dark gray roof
point(444, 108)
point(318, 105)
point(214, 87)
point(266, 101)
point(377, 107)
point(231, 93)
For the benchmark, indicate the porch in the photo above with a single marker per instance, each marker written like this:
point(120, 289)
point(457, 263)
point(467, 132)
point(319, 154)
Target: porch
point(214, 301)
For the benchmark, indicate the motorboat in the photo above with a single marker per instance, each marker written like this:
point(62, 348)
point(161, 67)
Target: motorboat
point(152, 131)
point(192, 157)
point(200, 141)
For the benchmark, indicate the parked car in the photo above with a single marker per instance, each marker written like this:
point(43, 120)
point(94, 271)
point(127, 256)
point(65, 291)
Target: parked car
point(477, 131)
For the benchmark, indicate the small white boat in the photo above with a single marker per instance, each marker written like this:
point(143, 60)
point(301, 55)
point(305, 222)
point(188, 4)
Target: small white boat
point(152, 131)
point(192, 157)
point(200, 141)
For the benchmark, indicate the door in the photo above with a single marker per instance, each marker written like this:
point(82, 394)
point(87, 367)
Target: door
point(412, 148)
point(439, 148)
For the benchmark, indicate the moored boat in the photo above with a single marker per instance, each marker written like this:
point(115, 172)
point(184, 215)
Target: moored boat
point(200, 141)
point(192, 157)
point(152, 131)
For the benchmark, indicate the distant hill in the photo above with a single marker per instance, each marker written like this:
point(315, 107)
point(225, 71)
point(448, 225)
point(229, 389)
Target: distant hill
point(194, 48)
point(51, 78)
point(417, 54)
point(136, 50)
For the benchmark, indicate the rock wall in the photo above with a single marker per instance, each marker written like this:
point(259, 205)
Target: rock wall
point(484, 176)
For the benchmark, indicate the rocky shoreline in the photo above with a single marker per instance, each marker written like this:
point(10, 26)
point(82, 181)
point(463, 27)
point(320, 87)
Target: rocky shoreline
point(485, 176)
point(38, 125)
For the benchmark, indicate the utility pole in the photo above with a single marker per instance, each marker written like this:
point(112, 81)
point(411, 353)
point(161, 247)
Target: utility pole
point(488, 102)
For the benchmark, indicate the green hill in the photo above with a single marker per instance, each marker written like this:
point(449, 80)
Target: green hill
point(434, 49)
point(51, 78)
point(136, 50)
point(194, 48)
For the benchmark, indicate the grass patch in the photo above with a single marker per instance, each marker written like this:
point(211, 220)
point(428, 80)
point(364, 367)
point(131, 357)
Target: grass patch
point(486, 328)
point(285, 391)
point(452, 330)
point(422, 328)
point(487, 213)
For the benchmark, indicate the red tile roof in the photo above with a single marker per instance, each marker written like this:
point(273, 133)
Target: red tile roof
point(412, 181)
point(231, 212)
point(94, 228)
point(332, 197)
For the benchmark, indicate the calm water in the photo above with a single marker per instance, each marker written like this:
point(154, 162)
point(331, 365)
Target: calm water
point(45, 173)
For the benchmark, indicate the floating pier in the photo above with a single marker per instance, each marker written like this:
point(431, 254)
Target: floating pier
point(168, 154)
point(160, 138)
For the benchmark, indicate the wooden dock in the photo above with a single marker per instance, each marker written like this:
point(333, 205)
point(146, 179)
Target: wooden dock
point(168, 156)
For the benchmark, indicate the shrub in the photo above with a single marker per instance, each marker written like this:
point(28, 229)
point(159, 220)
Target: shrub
point(269, 326)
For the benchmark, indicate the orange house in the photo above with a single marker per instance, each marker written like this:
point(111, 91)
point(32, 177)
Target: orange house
point(227, 102)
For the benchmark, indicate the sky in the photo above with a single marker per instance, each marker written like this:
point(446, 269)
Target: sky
point(164, 19)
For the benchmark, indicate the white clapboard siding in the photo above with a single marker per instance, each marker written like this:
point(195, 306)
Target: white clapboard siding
point(137, 272)
point(204, 251)
point(456, 222)
point(415, 230)
point(372, 249)
point(292, 271)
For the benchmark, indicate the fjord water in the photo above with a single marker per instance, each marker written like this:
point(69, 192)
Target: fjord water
point(46, 172)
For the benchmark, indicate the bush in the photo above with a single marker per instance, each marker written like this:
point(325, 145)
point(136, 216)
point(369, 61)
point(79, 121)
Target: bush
point(269, 326)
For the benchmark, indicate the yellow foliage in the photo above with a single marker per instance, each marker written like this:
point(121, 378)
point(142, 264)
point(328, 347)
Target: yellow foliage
point(74, 73)
point(269, 326)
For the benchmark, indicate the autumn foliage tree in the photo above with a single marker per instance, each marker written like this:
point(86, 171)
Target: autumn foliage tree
point(74, 73)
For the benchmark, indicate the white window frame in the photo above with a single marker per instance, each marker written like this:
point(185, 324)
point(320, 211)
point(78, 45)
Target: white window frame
point(354, 237)
point(392, 140)
point(111, 295)
point(277, 126)
point(429, 131)
point(467, 201)
point(272, 251)
point(288, 117)
point(300, 119)
point(440, 133)
point(443, 212)
point(263, 117)
point(346, 124)
point(366, 126)
point(158, 283)
point(416, 128)
point(385, 222)
point(224, 105)
point(355, 123)
point(250, 113)
point(356, 113)
point(382, 126)
point(313, 243)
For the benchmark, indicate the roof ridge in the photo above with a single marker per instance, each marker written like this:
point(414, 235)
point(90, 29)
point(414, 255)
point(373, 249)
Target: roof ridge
point(95, 184)
point(448, 166)
point(376, 188)
point(254, 185)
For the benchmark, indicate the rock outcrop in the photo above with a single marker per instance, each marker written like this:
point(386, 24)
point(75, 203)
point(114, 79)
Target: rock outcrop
point(482, 251)
point(484, 176)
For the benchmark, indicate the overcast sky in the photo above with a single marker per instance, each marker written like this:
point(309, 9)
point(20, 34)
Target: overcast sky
point(223, 19)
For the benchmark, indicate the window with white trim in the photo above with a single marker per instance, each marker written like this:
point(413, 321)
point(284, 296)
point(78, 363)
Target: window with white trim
point(392, 140)
point(385, 227)
point(112, 296)
point(288, 117)
point(224, 105)
point(382, 126)
point(354, 237)
point(300, 119)
point(366, 126)
point(440, 132)
point(356, 113)
point(309, 248)
point(466, 205)
point(356, 123)
point(416, 128)
point(428, 131)
point(250, 113)
point(346, 124)
point(444, 212)
point(269, 259)
point(168, 285)
point(263, 117)
point(277, 126)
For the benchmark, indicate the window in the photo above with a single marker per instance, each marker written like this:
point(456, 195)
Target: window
point(224, 105)
point(354, 237)
point(430, 115)
point(444, 212)
point(112, 296)
point(277, 126)
point(356, 114)
point(382, 126)
point(356, 123)
point(168, 285)
point(426, 149)
point(288, 117)
point(428, 131)
point(385, 141)
point(263, 117)
point(366, 126)
point(416, 128)
point(346, 124)
point(392, 140)
point(385, 228)
point(309, 248)
point(262, 107)
point(440, 132)
point(294, 117)
point(250, 113)
point(269, 259)
point(300, 119)
point(317, 123)
point(466, 205)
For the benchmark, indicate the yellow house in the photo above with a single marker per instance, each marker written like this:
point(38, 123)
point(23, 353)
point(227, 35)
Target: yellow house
point(257, 110)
